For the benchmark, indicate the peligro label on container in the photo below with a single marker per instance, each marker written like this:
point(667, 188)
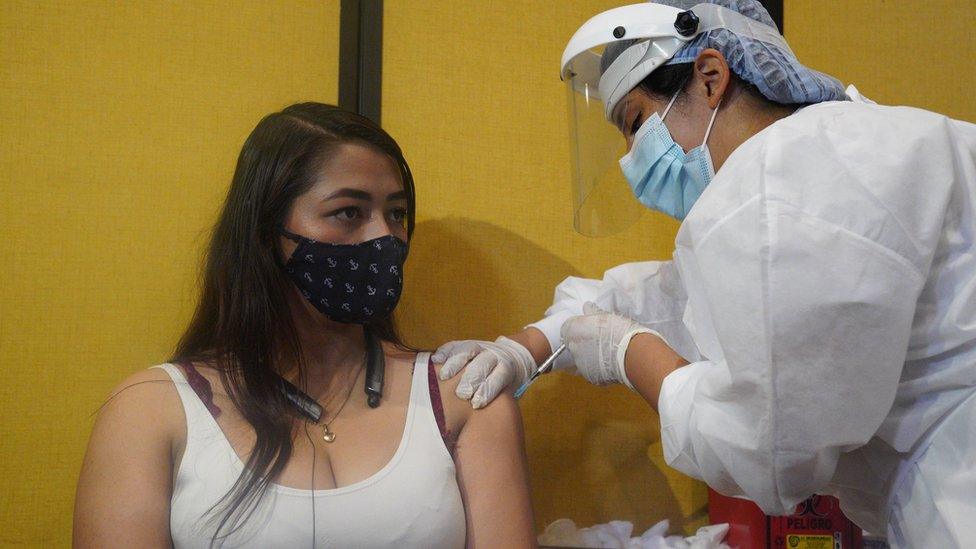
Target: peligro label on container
point(809, 541)
point(817, 524)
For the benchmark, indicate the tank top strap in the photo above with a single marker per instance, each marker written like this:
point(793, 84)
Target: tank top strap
point(419, 389)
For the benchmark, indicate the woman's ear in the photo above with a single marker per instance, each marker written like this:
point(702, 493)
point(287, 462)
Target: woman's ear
point(712, 73)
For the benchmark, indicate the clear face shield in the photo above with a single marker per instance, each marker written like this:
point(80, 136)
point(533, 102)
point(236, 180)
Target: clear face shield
point(603, 203)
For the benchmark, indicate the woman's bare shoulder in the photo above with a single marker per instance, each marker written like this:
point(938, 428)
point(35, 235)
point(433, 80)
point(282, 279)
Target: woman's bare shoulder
point(127, 473)
point(456, 411)
point(454, 406)
point(146, 396)
point(149, 383)
point(503, 411)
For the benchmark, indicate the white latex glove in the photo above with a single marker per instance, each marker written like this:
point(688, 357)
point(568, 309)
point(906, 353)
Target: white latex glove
point(491, 367)
point(598, 341)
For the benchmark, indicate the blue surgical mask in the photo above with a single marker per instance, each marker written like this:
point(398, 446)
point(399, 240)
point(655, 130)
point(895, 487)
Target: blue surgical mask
point(661, 174)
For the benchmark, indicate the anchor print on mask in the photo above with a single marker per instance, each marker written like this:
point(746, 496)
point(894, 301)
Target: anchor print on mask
point(351, 283)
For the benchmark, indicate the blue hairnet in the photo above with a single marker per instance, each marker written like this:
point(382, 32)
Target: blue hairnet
point(776, 73)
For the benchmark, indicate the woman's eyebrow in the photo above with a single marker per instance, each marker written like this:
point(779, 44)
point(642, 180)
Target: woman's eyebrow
point(350, 193)
point(399, 195)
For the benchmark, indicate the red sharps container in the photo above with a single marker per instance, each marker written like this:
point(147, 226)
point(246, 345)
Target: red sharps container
point(818, 523)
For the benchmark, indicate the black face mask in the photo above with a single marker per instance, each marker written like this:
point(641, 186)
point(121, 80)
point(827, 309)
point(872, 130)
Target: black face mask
point(350, 283)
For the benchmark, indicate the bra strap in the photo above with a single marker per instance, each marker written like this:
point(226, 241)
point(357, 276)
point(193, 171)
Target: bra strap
point(201, 386)
point(438, 406)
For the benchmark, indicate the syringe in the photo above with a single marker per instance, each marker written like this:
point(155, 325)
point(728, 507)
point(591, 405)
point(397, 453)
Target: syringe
point(544, 368)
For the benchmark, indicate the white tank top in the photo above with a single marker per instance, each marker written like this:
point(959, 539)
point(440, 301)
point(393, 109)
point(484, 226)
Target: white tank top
point(413, 501)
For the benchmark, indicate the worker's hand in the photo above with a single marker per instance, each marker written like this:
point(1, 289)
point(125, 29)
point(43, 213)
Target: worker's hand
point(598, 341)
point(491, 367)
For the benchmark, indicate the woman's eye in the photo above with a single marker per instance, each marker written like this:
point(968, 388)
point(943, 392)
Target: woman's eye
point(399, 215)
point(347, 214)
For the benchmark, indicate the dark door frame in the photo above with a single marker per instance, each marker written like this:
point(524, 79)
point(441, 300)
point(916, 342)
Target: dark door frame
point(775, 9)
point(361, 57)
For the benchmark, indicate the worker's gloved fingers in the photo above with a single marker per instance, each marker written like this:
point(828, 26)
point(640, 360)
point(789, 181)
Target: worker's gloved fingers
point(456, 362)
point(475, 374)
point(496, 382)
point(577, 330)
point(564, 363)
point(450, 348)
point(586, 338)
point(517, 358)
point(596, 376)
point(574, 349)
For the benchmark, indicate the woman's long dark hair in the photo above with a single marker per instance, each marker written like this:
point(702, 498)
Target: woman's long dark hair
point(243, 325)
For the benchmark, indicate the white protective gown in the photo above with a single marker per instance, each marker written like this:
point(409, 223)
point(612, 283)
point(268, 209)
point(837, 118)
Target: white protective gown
point(824, 290)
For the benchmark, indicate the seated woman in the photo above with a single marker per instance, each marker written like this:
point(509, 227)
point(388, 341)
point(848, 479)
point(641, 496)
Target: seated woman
point(303, 272)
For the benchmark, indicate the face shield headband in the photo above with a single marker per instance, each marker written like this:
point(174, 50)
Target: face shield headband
point(661, 31)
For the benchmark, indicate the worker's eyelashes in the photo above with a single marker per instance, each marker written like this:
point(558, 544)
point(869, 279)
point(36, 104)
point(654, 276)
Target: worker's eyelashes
point(637, 122)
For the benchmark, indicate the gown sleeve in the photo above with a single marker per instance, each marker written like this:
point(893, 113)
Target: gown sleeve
point(649, 292)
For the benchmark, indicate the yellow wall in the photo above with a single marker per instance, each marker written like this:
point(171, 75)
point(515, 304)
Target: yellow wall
point(897, 52)
point(121, 123)
point(120, 126)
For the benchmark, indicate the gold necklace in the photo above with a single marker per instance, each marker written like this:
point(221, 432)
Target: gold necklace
point(328, 434)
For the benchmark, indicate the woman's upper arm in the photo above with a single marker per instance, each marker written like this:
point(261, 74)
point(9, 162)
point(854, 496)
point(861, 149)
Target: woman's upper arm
point(493, 477)
point(126, 478)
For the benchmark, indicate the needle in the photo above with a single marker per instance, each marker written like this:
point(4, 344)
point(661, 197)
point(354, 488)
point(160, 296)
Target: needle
point(544, 368)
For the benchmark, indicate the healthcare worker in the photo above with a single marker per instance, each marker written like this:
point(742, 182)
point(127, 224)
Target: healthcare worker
point(816, 328)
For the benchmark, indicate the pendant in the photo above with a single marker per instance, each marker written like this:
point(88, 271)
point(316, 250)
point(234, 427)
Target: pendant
point(327, 434)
